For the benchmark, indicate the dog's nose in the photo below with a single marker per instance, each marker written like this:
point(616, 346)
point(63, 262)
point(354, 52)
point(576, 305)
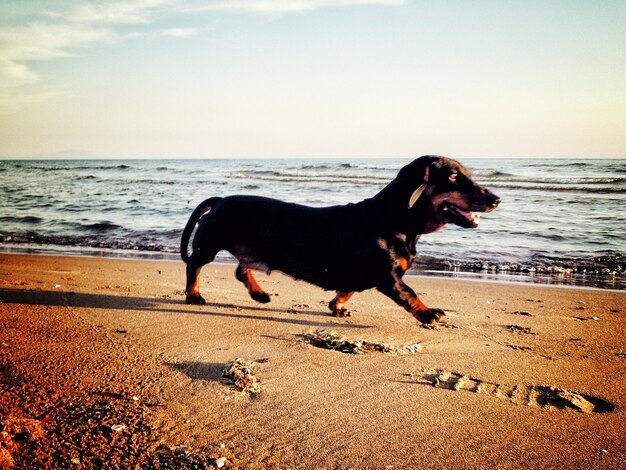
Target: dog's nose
point(491, 199)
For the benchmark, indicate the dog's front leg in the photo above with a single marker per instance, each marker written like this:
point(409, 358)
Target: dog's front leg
point(337, 305)
point(404, 296)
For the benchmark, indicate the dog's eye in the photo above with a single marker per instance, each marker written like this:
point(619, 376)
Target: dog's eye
point(452, 177)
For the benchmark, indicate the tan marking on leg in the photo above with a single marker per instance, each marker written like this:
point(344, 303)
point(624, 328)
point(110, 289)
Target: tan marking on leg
point(417, 305)
point(195, 288)
point(337, 305)
point(251, 283)
point(403, 263)
point(423, 314)
point(192, 289)
point(254, 289)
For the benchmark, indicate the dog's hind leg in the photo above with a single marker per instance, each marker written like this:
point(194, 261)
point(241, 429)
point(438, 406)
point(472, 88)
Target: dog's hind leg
point(192, 288)
point(404, 296)
point(254, 289)
point(337, 305)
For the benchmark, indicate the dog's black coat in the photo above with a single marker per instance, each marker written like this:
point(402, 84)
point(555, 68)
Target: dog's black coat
point(347, 248)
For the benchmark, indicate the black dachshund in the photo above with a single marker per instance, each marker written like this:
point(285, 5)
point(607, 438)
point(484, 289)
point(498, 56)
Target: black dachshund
point(347, 248)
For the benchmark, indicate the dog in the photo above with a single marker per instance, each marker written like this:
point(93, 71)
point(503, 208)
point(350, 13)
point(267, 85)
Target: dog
point(346, 248)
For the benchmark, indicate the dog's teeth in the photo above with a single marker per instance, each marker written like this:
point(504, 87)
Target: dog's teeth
point(475, 217)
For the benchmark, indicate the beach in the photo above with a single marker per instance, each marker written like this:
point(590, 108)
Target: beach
point(102, 364)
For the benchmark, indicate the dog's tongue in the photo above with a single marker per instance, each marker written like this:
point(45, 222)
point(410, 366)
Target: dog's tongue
point(461, 217)
point(475, 218)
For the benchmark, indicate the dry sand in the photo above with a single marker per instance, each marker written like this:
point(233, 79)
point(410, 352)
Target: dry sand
point(102, 364)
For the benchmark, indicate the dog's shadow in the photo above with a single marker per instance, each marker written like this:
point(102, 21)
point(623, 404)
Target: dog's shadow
point(132, 303)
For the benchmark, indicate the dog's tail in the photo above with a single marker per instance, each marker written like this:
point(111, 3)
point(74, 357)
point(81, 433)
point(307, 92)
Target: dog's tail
point(204, 207)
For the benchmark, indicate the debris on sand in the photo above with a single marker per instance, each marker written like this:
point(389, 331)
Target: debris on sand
point(15, 430)
point(241, 373)
point(524, 330)
point(338, 342)
point(220, 462)
point(79, 431)
point(522, 313)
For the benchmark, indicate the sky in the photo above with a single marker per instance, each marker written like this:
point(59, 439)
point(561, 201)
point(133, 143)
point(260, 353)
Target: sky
point(312, 78)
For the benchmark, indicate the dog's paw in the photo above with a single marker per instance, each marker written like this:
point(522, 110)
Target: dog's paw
point(430, 315)
point(338, 309)
point(195, 300)
point(340, 312)
point(261, 297)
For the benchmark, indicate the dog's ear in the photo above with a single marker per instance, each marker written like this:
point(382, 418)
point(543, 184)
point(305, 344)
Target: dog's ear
point(418, 192)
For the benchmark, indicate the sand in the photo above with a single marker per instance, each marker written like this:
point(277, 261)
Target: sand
point(103, 364)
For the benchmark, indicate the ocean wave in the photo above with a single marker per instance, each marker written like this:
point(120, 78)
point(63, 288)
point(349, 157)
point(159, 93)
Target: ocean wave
point(497, 176)
point(152, 181)
point(558, 188)
point(73, 207)
point(138, 244)
point(259, 172)
point(542, 163)
point(101, 226)
point(287, 177)
point(392, 167)
point(163, 234)
point(315, 167)
point(55, 166)
point(335, 181)
point(493, 174)
point(611, 264)
point(577, 164)
point(29, 219)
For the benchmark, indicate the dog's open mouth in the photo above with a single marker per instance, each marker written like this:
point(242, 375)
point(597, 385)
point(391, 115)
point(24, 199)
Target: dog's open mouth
point(458, 216)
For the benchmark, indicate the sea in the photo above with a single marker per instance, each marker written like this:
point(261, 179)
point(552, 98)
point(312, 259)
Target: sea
point(560, 222)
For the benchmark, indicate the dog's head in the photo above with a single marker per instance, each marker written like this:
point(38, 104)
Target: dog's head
point(443, 189)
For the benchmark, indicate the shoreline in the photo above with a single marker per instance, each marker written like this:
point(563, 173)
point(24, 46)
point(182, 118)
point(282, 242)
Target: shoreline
point(557, 279)
point(126, 374)
point(577, 244)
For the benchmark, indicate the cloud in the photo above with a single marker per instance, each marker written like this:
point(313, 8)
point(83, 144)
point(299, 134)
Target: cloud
point(179, 32)
point(11, 72)
point(63, 33)
point(279, 7)
point(41, 41)
point(118, 12)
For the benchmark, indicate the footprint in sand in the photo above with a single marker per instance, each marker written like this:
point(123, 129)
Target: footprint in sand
point(540, 396)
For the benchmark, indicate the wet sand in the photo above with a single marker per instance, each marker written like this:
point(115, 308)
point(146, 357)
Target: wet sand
point(103, 364)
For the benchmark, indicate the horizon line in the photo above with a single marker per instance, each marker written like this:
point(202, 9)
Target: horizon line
point(75, 157)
